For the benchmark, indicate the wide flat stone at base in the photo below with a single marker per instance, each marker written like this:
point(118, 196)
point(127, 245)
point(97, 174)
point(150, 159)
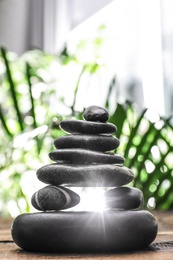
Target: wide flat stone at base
point(109, 231)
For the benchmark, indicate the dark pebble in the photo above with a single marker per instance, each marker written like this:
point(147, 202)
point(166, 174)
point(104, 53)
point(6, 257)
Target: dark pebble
point(54, 198)
point(124, 198)
point(100, 143)
point(96, 113)
point(104, 175)
point(109, 231)
point(87, 127)
point(79, 156)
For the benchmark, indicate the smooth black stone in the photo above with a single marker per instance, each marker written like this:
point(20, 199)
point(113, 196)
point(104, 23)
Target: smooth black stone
point(96, 113)
point(54, 198)
point(124, 198)
point(85, 156)
point(87, 127)
point(108, 175)
point(109, 231)
point(100, 143)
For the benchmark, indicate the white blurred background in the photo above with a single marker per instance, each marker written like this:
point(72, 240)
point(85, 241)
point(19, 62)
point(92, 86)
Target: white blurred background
point(138, 40)
point(137, 49)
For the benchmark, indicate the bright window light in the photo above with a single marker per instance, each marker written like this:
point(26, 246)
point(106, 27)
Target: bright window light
point(132, 49)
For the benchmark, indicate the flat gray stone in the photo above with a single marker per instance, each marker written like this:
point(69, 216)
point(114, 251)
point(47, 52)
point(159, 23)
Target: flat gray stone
point(96, 113)
point(109, 231)
point(105, 175)
point(124, 198)
point(54, 198)
point(85, 156)
point(101, 143)
point(87, 127)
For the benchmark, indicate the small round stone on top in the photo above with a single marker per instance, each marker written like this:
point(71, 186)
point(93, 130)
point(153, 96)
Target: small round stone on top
point(95, 113)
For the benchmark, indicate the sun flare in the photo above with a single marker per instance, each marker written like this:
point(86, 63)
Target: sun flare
point(92, 199)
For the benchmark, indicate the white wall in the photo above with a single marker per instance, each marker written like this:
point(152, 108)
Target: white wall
point(42, 23)
point(14, 16)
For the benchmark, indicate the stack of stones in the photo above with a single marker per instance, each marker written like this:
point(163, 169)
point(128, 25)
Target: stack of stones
point(83, 158)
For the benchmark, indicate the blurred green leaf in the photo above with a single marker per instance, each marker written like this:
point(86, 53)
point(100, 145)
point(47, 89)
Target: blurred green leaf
point(133, 134)
point(12, 88)
point(110, 88)
point(28, 77)
point(76, 89)
point(4, 124)
point(118, 118)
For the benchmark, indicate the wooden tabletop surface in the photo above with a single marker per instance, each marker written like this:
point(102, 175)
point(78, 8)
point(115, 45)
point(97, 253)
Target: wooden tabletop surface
point(161, 248)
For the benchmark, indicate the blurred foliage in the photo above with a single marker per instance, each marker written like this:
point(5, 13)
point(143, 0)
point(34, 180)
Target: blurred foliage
point(25, 115)
point(148, 149)
point(29, 118)
point(29, 123)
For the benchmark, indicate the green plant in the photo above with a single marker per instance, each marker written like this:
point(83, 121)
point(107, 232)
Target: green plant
point(29, 121)
point(22, 127)
point(148, 148)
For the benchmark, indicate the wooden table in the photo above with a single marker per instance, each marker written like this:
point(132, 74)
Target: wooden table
point(161, 248)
